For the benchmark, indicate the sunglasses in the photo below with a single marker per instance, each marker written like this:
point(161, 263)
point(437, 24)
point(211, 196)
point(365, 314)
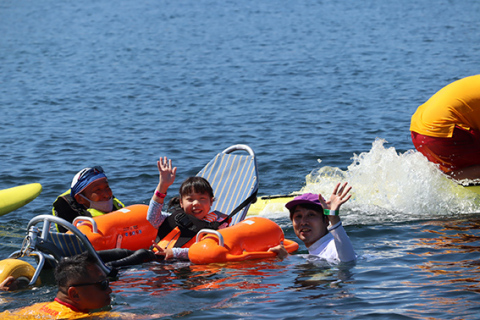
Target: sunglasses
point(102, 285)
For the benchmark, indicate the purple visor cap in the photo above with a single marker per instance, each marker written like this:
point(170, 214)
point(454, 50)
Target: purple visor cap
point(306, 198)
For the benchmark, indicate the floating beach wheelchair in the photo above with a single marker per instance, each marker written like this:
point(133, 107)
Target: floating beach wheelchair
point(46, 247)
point(234, 179)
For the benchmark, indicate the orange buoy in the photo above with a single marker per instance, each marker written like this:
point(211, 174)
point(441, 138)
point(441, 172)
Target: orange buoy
point(249, 239)
point(125, 228)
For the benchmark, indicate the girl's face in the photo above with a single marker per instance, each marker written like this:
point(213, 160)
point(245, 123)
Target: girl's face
point(196, 204)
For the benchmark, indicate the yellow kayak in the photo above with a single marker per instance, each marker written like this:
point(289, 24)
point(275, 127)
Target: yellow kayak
point(275, 203)
point(475, 189)
point(16, 197)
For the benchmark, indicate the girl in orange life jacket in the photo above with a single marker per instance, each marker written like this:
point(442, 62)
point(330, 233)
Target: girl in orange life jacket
point(196, 198)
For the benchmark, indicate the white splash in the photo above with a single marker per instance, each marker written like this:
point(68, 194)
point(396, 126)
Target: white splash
point(391, 186)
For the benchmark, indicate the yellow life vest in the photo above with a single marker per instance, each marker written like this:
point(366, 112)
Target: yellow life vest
point(59, 310)
point(46, 310)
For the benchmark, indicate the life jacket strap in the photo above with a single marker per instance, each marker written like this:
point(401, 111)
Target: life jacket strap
point(188, 225)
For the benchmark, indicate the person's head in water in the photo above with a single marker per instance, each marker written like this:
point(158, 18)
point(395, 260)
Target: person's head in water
point(196, 196)
point(82, 283)
point(309, 222)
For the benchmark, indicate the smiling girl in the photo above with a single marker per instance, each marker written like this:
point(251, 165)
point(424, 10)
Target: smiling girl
point(177, 230)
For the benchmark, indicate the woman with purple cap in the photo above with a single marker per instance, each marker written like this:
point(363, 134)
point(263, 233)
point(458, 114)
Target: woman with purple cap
point(90, 195)
point(316, 222)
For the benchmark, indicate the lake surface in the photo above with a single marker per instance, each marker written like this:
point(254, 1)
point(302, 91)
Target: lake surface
point(323, 91)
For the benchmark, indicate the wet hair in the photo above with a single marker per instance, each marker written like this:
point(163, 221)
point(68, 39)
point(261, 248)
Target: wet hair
point(174, 202)
point(74, 268)
point(195, 184)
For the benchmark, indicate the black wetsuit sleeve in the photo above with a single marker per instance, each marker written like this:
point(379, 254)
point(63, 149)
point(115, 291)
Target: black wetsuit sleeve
point(124, 257)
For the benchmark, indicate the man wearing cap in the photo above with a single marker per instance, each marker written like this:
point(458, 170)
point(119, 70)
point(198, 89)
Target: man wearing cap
point(316, 222)
point(90, 195)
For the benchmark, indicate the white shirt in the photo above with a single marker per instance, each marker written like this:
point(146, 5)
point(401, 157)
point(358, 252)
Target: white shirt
point(335, 246)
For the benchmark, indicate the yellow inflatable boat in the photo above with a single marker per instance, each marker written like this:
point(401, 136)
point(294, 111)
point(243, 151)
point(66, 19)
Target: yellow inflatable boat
point(16, 197)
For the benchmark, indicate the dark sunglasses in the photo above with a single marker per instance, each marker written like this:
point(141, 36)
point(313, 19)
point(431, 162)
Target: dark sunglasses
point(102, 285)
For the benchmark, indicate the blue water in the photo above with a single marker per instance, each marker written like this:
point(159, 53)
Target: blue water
point(323, 91)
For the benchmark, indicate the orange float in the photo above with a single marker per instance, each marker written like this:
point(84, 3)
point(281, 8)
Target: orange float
point(248, 239)
point(126, 228)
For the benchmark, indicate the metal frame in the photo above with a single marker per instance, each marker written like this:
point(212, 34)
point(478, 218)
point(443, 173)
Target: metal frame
point(33, 234)
point(202, 232)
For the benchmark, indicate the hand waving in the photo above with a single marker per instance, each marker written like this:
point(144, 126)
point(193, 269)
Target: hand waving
point(166, 173)
point(339, 196)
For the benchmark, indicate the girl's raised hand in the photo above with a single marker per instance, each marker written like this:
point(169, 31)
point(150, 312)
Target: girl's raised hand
point(166, 173)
